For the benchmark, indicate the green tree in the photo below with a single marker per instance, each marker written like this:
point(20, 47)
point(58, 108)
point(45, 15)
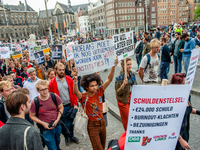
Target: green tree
point(197, 12)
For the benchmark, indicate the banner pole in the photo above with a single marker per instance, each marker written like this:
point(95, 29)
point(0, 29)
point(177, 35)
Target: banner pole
point(125, 69)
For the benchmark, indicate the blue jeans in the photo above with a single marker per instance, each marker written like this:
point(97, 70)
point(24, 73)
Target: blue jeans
point(186, 62)
point(68, 121)
point(52, 138)
point(138, 59)
point(163, 70)
point(177, 64)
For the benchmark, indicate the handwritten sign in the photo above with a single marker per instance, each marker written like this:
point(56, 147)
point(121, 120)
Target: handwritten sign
point(93, 57)
point(124, 45)
point(192, 67)
point(5, 52)
point(31, 51)
point(68, 51)
point(37, 48)
point(155, 117)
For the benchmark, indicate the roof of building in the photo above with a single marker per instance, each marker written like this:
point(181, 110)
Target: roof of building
point(19, 7)
point(42, 13)
point(66, 7)
point(83, 6)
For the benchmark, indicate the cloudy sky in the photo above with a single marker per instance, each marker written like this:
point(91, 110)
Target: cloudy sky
point(39, 4)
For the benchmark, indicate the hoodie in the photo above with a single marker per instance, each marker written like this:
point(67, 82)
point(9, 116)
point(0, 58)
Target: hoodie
point(189, 45)
point(30, 85)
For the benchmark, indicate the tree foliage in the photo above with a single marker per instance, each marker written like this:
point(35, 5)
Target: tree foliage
point(197, 12)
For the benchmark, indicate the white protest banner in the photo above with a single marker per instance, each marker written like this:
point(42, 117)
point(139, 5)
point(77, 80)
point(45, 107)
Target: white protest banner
point(5, 52)
point(155, 117)
point(192, 67)
point(93, 57)
point(68, 51)
point(31, 51)
point(6, 45)
point(124, 45)
point(16, 51)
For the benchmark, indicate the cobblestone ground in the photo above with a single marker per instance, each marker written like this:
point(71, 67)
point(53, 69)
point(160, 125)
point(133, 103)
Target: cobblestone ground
point(114, 131)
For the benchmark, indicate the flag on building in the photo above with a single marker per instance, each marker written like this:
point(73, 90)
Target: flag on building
point(56, 25)
point(64, 23)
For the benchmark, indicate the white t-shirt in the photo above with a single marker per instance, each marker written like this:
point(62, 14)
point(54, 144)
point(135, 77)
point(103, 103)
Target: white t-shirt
point(150, 74)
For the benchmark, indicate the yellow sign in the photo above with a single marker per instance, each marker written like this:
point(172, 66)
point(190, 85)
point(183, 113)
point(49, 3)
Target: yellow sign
point(46, 51)
point(17, 56)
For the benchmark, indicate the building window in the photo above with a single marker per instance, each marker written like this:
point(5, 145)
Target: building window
point(13, 21)
point(153, 15)
point(153, 9)
point(124, 4)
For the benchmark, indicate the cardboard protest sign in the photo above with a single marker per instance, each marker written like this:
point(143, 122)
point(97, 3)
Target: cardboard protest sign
point(31, 51)
point(45, 49)
point(155, 117)
point(5, 52)
point(16, 51)
point(6, 45)
point(124, 45)
point(41, 42)
point(57, 51)
point(37, 48)
point(192, 67)
point(93, 57)
point(39, 57)
point(68, 51)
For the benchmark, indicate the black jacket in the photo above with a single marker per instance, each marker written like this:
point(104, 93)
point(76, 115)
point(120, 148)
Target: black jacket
point(166, 57)
point(16, 69)
point(3, 116)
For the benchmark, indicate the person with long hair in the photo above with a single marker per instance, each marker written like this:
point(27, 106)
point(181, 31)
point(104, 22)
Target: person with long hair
point(50, 74)
point(123, 86)
point(183, 138)
point(17, 64)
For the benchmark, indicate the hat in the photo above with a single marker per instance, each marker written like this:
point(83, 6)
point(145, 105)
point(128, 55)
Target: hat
point(11, 72)
point(30, 70)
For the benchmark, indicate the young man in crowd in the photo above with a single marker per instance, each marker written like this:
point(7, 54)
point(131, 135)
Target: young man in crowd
point(177, 55)
point(157, 36)
point(5, 90)
point(13, 68)
point(48, 62)
point(10, 79)
point(146, 47)
point(17, 79)
point(25, 61)
point(49, 115)
point(31, 82)
point(40, 71)
point(24, 74)
point(62, 85)
point(138, 50)
point(186, 52)
point(149, 65)
point(165, 59)
point(12, 133)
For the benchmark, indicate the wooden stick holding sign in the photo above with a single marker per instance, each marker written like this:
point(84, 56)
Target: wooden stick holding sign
point(164, 82)
point(125, 69)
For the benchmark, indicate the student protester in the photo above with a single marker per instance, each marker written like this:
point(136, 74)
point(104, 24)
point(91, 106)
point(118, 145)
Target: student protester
point(146, 47)
point(92, 100)
point(12, 133)
point(197, 40)
point(31, 82)
point(168, 42)
point(123, 90)
point(63, 85)
point(165, 59)
point(13, 68)
point(10, 79)
point(25, 61)
point(138, 50)
point(6, 66)
point(148, 71)
point(157, 36)
point(50, 74)
point(17, 64)
point(48, 62)
point(40, 71)
point(18, 80)
point(49, 115)
point(24, 73)
point(5, 90)
point(177, 55)
point(145, 35)
point(186, 52)
point(183, 138)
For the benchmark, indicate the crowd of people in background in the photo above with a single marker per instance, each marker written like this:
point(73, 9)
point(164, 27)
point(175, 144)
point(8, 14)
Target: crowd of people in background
point(48, 94)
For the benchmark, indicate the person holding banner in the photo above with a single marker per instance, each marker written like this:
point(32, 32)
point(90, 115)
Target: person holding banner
point(92, 100)
point(123, 84)
point(183, 139)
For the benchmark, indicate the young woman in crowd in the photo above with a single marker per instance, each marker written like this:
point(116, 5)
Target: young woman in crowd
point(50, 74)
point(183, 138)
point(17, 64)
point(92, 100)
point(123, 90)
point(13, 68)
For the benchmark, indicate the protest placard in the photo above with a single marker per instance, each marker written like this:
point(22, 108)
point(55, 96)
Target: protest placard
point(124, 45)
point(45, 49)
point(57, 51)
point(16, 51)
point(37, 48)
point(93, 57)
point(5, 52)
point(68, 51)
point(31, 51)
point(192, 67)
point(6, 45)
point(155, 117)
point(39, 57)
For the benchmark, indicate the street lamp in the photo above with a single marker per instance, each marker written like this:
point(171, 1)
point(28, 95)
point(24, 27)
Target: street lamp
point(146, 2)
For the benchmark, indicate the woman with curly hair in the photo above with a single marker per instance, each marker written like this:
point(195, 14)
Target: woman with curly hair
point(123, 90)
point(92, 100)
point(179, 78)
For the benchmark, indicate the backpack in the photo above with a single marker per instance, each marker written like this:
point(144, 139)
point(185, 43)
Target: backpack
point(149, 60)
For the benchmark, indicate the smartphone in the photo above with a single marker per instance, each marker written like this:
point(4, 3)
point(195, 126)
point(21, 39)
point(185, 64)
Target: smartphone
point(51, 124)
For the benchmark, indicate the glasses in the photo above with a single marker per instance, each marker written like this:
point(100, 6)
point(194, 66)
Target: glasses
point(42, 90)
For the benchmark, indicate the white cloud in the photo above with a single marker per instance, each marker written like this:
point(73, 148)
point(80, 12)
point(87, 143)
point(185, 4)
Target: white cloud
point(39, 4)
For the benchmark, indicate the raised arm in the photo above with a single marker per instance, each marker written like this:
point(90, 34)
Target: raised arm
point(76, 91)
point(111, 75)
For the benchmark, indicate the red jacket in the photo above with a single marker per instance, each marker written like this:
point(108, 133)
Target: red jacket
point(53, 87)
